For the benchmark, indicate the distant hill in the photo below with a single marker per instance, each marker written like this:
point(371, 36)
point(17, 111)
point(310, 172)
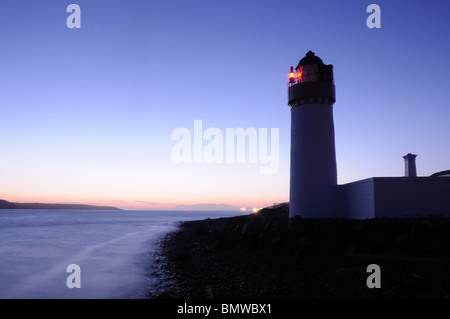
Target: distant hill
point(8, 205)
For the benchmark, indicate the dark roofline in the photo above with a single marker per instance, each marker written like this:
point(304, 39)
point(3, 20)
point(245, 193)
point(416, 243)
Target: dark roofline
point(442, 173)
point(400, 178)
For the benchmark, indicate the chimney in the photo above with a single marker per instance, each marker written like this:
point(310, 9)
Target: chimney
point(410, 165)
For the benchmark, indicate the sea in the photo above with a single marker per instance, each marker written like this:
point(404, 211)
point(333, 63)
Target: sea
point(85, 254)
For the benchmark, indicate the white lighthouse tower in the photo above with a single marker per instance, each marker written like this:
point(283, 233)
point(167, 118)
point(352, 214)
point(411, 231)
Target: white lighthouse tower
point(313, 179)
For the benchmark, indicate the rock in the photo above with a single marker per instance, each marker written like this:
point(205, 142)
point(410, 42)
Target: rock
point(429, 245)
point(402, 240)
point(276, 241)
point(183, 257)
point(392, 247)
point(350, 247)
point(302, 243)
point(374, 238)
point(298, 258)
point(416, 275)
point(281, 224)
point(297, 226)
point(349, 235)
point(244, 228)
point(223, 244)
point(360, 225)
point(202, 231)
point(366, 249)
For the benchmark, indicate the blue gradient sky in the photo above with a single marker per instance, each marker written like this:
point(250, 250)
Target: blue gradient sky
point(87, 114)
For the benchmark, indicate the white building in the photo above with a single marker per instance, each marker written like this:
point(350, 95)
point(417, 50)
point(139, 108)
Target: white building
point(314, 192)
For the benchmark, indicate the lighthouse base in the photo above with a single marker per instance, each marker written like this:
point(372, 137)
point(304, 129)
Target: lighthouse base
point(313, 162)
point(315, 201)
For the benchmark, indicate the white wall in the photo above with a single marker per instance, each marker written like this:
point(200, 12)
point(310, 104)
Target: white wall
point(357, 199)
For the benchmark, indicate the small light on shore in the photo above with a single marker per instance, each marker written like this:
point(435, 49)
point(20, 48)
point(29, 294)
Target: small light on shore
point(255, 210)
point(243, 209)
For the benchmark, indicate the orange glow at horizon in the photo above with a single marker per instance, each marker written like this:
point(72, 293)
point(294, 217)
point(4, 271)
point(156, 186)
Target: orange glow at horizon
point(140, 201)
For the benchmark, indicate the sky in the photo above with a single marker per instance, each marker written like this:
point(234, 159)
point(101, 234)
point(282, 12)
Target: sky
point(88, 114)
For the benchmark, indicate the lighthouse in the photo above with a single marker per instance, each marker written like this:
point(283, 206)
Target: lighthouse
point(313, 173)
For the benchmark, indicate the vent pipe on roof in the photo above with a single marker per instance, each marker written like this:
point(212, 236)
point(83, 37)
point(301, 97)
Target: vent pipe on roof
point(410, 165)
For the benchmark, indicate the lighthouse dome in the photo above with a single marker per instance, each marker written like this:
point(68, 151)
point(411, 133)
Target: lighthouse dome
point(310, 58)
point(311, 82)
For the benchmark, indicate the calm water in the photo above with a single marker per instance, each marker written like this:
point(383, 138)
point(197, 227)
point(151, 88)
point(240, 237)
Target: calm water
point(112, 248)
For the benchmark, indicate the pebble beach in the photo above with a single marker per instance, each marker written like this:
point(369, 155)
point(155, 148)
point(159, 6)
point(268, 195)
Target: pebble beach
point(266, 255)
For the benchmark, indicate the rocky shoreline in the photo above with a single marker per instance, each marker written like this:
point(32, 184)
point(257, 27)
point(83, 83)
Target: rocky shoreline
point(269, 256)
